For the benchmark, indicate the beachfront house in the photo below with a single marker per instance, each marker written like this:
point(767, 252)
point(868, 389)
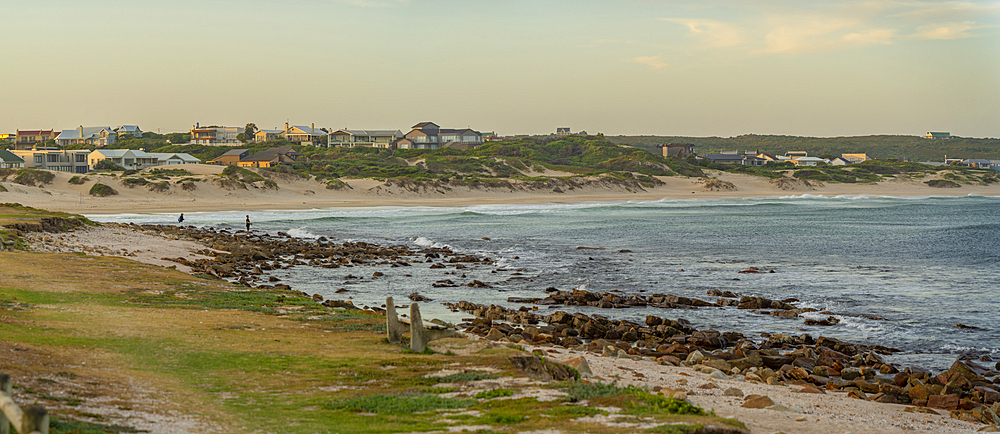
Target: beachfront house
point(809, 161)
point(938, 135)
point(676, 150)
point(54, 159)
point(96, 136)
point(27, 139)
point(738, 158)
point(215, 135)
point(129, 130)
point(983, 164)
point(174, 158)
point(304, 135)
point(839, 161)
point(364, 138)
point(231, 157)
point(10, 160)
point(563, 131)
point(428, 135)
point(8, 137)
point(270, 157)
point(132, 159)
point(855, 158)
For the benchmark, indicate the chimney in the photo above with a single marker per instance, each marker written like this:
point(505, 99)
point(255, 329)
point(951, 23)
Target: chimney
point(81, 130)
point(313, 126)
point(286, 127)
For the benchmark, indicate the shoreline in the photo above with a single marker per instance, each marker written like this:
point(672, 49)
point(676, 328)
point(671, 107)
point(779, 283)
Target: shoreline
point(802, 412)
point(209, 195)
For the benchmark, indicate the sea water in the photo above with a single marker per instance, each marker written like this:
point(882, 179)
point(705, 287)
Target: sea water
point(901, 272)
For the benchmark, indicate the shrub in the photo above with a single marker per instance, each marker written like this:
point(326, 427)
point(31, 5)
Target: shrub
point(494, 393)
point(77, 180)
point(132, 182)
point(395, 404)
point(942, 183)
point(108, 165)
point(33, 177)
point(189, 186)
point(101, 190)
point(159, 187)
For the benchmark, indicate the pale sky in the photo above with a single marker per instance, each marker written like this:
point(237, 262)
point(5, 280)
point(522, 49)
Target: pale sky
point(698, 68)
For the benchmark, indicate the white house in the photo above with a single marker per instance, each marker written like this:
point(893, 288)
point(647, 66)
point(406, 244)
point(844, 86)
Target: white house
point(133, 159)
point(129, 130)
point(809, 161)
point(98, 136)
point(172, 158)
point(370, 138)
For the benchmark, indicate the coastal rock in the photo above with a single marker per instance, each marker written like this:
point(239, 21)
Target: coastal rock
point(732, 391)
point(944, 402)
point(757, 401)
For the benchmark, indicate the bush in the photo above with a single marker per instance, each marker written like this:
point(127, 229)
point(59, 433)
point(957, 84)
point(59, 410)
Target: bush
point(33, 177)
point(101, 190)
point(394, 404)
point(108, 165)
point(132, 182)
point(189, 186)
point(159, 187)
point(942, 183)
point(77, 180)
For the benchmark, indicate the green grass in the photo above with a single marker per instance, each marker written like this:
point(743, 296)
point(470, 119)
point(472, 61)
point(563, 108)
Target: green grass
point(494, 393)
point(396, 404)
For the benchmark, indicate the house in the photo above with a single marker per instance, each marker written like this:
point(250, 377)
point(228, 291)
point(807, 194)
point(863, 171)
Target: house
point(737, 158)
point(7, 137)
point(562, 131)
point(132, 159)
point(983, 164)
point(428, 135)
point(96, 136)
point(28, 139)
point(792, 155)
point(855, 158)
point(840, 161)
point(215, 135)
point(677, 150)
point(55, 159)
point(265, 135)
point(172, 158)
point(809, 161)
point(270, 157)
point(938, 135)
point(9, 160)
point(367, 138)
point(129, 130)
point(230, 158)
point(303, 135)
point(768, 157)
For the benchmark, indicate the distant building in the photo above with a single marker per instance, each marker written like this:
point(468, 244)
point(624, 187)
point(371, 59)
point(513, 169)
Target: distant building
point(132, 159)
point(737, 158)
point(270, 157)
point(983, 164)
point(172, 158)
point(96, 136)
point(428, 135)
point(265, 135)
point(129, 130)
point(563, 131)
point(365, 138)
point(7, 137)
point(230, 158)
point(677, 150)
point(855, 158)
point(938, 135)
point(215, 135)
point(27, 139)
point(9, 160)
point(304, 135)
point(55, 159)
point(809, 161)
point(839, 161)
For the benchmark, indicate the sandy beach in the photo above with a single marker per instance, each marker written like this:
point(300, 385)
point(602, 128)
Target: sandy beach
point(291, 194)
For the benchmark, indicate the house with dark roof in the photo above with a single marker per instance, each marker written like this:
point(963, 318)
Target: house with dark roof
point(737, 158)
point(8, 160)
point(97, 136)
point(367, 138)
point(271, 157)
point(938, 135)
point(428, 135)
point(265, 135)
point(230, 158)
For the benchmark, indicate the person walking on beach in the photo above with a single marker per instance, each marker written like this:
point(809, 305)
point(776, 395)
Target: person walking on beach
point(180, 220)
point(248, 224)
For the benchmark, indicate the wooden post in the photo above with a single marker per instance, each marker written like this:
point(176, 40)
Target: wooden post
point(7, 388)
point(35, 420)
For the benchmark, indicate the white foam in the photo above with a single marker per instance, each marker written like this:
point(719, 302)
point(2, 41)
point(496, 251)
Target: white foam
point(301, 233)
point(427, 242)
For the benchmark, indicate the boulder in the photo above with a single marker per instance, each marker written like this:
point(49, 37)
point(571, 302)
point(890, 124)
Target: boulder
point(757, 401)
point(534, 367)
point(580, 364)
point(944, 402)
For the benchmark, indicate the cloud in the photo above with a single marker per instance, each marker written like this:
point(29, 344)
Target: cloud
point(653, 61)
point(799, 34)
point(870, 36)
point(714, 34)
point(945, 31)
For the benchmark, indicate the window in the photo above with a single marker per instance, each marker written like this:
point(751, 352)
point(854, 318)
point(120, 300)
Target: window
point(53, 158)
point(39, 159)
point(81, 158)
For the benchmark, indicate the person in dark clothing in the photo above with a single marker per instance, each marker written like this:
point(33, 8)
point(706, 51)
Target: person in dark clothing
point(248, 224)
point(181, 219)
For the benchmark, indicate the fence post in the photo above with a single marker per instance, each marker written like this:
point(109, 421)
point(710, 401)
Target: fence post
point(7, 387)
point(36, 419)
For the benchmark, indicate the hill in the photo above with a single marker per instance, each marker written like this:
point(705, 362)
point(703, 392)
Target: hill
point(914, 148)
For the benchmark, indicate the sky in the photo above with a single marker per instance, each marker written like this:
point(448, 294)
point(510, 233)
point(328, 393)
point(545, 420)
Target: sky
point(618, 67)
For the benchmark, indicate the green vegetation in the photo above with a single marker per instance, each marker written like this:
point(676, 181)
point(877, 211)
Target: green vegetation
point(102, 190)
point(494, 393)
point(108, 165)
point(240, 175)
point(78, 180)
point(34, 177)
point(134, 182)
point(882, 147)
point(166, 173)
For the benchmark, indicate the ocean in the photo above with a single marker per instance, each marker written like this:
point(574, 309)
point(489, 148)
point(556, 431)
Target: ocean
point(901, 272)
